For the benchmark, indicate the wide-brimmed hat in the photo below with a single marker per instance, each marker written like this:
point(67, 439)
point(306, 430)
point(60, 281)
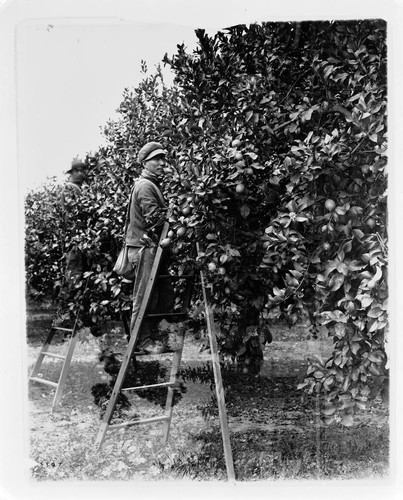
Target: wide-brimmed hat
point(150, 150)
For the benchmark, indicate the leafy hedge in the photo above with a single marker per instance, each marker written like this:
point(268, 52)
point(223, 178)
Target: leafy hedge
point(277, 141)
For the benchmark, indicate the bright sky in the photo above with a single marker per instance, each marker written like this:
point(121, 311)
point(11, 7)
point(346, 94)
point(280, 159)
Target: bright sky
point(70, 80)
point(71, 66)
point(71, 69)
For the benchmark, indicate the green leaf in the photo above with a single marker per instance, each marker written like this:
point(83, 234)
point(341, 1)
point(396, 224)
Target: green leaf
point(336, 315)
point(328, 409)
point(336, 282)
point(375, 357)
point(342, 268)
point(329, 420)
point(361, 405)
point(340, 329)
point(375, 312)
point(245, 211)
point(347, 420)
point(360, 235)
point(355, 265)
point(366, 301)
point(249, 115)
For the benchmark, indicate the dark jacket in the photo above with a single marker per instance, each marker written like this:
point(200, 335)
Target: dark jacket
point(147, 210)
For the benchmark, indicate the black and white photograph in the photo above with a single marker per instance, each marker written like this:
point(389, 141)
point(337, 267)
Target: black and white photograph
point(200, 249)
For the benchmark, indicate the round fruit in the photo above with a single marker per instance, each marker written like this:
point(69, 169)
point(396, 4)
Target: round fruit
point(227, 290)
point(330, 205)
point(222, 270)
point(180, 232)
point(186, 211)
point(249, 171)
point(326, 246)
point(371, 284)
point(212, 267)
point(238, 156)
point(353, 213)
point(236, 143)
point(240, 188)
point(165, 242)
point(371, 222)
point(350, 307)
point(245, 370)
point(170, 234)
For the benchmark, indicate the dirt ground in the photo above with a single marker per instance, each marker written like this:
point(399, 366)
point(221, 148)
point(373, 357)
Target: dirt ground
point(269, 404)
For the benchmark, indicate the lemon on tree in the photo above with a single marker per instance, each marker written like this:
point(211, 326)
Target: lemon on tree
point(330, 205)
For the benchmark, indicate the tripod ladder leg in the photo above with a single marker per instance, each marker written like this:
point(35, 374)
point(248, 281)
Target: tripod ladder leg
point(65, 369)
point(42, 354)
point(176, 361)
point(218, 382)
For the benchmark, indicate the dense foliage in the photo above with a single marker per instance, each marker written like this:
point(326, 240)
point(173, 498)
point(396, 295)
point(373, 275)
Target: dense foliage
point(277, 141)
point(44, 239)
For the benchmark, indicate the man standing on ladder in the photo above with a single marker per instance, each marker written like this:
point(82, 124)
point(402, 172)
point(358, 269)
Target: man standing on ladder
point(75, 260)
point(146, 215)
point(71, 194)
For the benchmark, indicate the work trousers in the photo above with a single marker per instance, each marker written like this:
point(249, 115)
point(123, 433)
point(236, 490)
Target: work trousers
point(163, 296)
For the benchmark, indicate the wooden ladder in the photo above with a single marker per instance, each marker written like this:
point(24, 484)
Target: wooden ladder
point(172, 383)
point(44, 352)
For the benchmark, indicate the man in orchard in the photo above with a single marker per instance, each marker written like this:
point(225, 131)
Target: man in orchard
point(75, 260)
point(70, 196)
point(146, 215)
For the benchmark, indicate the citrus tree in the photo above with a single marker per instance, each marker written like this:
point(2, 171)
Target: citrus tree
point(277, 142)
point(44, 239)
point(285, 126)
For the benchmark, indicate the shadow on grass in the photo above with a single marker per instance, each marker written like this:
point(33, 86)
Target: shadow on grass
point(332, 453)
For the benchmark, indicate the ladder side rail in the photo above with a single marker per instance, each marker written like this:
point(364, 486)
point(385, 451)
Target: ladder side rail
point(65, 367)
point(69, 354)
point(176, 361)
point(133, 338)
point(187, 295)
point(218, 383)
point(42, 354)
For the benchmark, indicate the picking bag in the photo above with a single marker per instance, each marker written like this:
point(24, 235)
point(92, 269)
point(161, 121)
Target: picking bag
point(123, 267)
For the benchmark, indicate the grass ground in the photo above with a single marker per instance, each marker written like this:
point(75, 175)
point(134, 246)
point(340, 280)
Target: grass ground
point(276, 432)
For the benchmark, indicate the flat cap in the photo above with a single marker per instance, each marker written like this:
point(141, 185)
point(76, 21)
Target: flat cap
point(150, 150)
point(76, 164)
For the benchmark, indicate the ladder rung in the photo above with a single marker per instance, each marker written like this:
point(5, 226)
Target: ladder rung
point(144, 353)
point(53, 355)
point(176, 276)
point(161, 315)
point(43, 381)
point(136, 422)
point(62, 329)
point(153, 386)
